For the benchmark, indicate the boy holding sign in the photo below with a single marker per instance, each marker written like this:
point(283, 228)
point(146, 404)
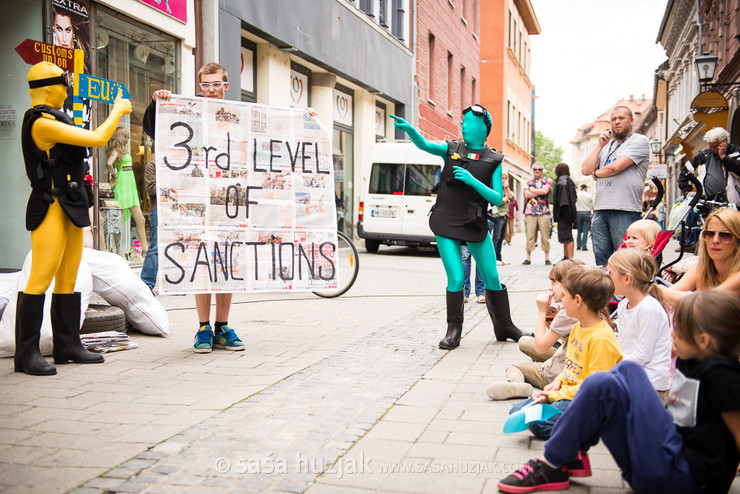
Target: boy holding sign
point(213, 82)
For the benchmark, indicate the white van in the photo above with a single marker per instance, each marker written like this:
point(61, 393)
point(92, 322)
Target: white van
point(396, 195)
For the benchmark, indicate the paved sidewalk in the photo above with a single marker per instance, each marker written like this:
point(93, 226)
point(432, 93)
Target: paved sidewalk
point(341, 395)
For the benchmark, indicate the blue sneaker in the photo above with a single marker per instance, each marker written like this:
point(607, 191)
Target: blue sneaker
point(228, 340)
point(203, 340)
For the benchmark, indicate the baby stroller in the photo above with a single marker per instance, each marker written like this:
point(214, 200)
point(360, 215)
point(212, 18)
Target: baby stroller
point(665, 235)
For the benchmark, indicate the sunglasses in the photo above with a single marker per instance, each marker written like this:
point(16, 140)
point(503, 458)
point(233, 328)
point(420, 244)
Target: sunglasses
point(477, 110)
point(724, 237)
point(537, 169)
point(65, 79)
point(214, 85)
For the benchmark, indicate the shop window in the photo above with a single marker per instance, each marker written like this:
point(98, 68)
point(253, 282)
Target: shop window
point(380, 111)
point(145, 61)
point(248, 76)
point(343, 171)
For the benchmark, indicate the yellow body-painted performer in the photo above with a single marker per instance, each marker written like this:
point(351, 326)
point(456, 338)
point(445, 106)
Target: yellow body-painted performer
point(57, 212)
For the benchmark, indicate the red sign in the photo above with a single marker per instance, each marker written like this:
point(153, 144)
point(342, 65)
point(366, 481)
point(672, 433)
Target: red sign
point(33, 52)
point(175, 8)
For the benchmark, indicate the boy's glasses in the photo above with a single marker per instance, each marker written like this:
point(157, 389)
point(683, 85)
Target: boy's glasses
point(724, 237)
point(209, 85)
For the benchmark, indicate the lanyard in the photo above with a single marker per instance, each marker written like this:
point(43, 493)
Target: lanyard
point(606, 161)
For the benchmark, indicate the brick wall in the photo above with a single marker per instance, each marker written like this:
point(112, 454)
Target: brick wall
point(454, 34)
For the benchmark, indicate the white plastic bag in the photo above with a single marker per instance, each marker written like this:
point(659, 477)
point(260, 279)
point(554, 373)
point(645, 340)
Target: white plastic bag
point(679, 209)
point(114, 280)
point(7, 323)
point(733, 189)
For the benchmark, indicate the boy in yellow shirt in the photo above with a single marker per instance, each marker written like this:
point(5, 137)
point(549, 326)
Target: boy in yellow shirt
point(592, 344)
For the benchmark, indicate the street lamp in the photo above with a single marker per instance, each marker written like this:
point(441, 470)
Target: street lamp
point(706, 64)
point(655, 146)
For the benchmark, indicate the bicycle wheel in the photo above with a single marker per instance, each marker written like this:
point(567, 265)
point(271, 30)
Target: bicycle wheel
point(348, 265)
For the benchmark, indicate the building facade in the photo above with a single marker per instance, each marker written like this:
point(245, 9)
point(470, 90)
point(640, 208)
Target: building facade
point(507, 89)
point(720, 36)
point(447, 65)
point(689, 29)
point(351, 61)
point(137, 42)
point(681, 136)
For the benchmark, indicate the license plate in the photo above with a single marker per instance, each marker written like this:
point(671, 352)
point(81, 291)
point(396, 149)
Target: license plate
point(383, 213)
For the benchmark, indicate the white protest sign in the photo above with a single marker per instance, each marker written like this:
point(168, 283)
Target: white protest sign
point(245, 198)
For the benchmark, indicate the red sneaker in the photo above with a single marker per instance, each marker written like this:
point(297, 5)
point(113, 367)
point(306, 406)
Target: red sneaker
point(580, 467)
point(536, 475)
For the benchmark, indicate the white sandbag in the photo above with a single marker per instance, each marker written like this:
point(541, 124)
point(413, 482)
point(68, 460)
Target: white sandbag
point(8, 283)
point(114, 280)
point(7, 323)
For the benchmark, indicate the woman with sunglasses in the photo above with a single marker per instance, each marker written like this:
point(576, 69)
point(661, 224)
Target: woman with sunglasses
point(57, 213)
point(470, 179)
point(719, 258)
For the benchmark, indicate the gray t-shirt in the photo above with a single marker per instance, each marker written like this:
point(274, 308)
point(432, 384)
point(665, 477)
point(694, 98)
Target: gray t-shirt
point(624, 190)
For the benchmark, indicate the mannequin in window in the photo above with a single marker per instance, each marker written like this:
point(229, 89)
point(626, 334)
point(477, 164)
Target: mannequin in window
point(123, 183)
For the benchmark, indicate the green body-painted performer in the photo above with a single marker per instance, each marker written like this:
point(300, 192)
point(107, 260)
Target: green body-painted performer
point(470, 179)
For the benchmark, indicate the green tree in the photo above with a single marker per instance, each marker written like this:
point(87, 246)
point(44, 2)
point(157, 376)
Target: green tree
point(547, 153)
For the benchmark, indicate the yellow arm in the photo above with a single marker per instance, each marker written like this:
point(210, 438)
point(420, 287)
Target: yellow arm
point(47, 132)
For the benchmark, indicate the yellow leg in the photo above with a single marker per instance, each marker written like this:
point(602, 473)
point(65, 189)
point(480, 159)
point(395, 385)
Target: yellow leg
point(57, 250)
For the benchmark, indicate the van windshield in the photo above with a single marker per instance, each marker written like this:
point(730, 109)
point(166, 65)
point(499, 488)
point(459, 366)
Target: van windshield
point(402, 179)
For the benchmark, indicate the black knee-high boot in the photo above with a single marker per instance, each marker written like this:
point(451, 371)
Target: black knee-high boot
point(65, 323)
point(497, 302)
point(455, 305)
point(29, 313)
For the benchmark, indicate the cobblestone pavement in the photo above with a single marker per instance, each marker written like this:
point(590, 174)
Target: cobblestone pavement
point(343, 395)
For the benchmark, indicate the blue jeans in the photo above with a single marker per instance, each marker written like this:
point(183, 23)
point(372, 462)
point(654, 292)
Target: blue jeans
point(621, 408)
point(543, 429)
point(497, 228)
point(584, 225)
point(608, 227)
point(151, 262)
point(467, 266)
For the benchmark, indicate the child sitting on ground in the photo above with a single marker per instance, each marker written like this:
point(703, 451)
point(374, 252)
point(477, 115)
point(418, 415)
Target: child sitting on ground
point(548, 330)
point(690, 447)
point(592, 345)
point(644, 328)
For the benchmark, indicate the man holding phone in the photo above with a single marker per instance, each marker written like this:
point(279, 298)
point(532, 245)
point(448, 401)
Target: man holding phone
point(619, 165)
point(714, 164)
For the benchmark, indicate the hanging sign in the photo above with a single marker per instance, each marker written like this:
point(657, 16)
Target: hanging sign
point(33, 52)
point(101, 89)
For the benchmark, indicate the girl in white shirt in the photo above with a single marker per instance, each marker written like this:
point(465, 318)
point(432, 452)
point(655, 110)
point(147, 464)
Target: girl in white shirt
point(642, 321)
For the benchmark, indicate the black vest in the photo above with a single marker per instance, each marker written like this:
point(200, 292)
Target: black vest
point(460, 212)
point(64, 165)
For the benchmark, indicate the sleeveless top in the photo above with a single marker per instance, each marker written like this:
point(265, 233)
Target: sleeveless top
point(64, 165)
point(460, 212)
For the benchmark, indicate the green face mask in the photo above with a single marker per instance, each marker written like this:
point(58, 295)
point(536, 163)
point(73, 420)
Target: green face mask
point(475, 126)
